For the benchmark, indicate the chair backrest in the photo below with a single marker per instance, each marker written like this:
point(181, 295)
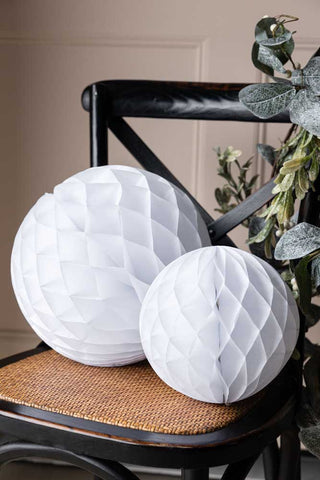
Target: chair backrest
point(109, 101)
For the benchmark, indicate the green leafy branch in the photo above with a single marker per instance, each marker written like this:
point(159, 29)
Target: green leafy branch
point(297, 162)
point(294, 249)
point(300, 89)
point(238, 187)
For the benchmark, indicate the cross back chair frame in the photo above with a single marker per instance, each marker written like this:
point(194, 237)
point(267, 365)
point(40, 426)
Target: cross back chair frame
point(101, 448)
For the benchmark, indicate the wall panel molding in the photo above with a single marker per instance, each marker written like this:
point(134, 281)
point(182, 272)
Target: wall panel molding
point(198, 45)
point(194, 42)
point(194, 49)
point(310, 44)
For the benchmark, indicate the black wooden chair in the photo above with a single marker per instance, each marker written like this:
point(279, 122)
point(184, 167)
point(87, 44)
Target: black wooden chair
point(55, 408)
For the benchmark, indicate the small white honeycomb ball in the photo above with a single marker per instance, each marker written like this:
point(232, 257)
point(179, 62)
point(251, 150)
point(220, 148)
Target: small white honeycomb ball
point(84, 257)
point(218, 324)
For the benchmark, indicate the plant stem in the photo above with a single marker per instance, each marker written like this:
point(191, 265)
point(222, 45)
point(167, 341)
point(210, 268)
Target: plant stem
point(290, 132)
point(287, 137)
point(290, 58)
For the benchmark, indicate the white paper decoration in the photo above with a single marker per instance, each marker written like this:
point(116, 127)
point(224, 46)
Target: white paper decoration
point(85, 256)
point(218, 324)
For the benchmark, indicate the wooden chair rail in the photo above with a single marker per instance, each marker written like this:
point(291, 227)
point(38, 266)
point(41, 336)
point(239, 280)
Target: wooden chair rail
point(161, 99)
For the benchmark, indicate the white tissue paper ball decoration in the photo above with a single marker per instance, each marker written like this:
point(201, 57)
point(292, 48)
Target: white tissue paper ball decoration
point(85, 256)
point(218, 324)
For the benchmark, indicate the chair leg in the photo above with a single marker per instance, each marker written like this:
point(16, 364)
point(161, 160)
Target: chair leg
point(102, 469)
point(298, 469)
point(271, 459)
point(195, 474)
point(290, 468)
point(239, 470)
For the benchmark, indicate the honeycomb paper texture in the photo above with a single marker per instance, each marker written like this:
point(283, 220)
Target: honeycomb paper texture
point(85, 256)
point(218, 324)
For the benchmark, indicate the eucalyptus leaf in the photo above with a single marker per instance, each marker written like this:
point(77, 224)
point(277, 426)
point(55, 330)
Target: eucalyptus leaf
point(311, 75)
point(310, 437)
point(288, 47)
point(262, 30)
point(256, 62)
point(269, 57)
point(315, 271)
point(297, 77)
point(267, 35)
point(297, 242)
point(266, 100)
point(267, 152)
point(284, 51)
point(305, 111)
point(277, 40)
point(303, 278)
point(309, 424)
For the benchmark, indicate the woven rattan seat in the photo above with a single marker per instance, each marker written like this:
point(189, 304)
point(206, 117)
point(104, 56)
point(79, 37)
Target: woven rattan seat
point(132, 396)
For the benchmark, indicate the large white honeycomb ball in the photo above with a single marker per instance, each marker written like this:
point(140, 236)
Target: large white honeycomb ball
point(84, 257)
point(218, 324)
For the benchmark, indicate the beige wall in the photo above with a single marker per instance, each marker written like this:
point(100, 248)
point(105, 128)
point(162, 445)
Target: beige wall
point(50, 50)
